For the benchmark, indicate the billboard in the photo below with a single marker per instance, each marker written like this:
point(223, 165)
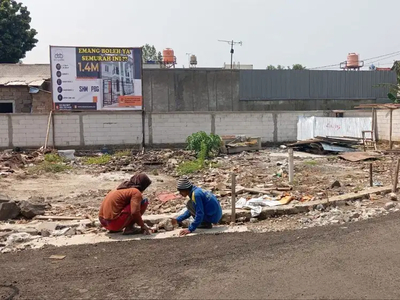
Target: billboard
point(96, 78)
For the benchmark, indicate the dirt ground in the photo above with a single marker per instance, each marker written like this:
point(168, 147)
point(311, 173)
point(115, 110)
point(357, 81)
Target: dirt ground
point(81, 189)
point(354, 262)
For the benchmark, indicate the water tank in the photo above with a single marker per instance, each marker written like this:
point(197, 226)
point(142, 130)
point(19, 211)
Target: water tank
point(168, 56)
point(193, 60)
point(353, 60)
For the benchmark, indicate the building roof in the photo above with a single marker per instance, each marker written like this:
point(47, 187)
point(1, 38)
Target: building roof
point(24, 74)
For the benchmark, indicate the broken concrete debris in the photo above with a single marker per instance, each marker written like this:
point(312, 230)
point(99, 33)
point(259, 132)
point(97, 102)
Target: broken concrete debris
point(9, 210)
point(31, 210)
point(261, 181)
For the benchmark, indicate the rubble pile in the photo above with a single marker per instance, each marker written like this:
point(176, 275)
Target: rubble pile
point(162, 160)
point(10, 209)
point(11, 161)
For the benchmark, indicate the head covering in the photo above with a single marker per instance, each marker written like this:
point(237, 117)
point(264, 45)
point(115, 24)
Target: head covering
point(184, 184)
point(139, 181)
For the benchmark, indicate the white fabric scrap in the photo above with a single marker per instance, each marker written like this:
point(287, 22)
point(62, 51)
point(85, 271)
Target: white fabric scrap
point(256, 204)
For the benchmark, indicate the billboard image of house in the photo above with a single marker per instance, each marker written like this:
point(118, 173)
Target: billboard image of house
point(93, 78)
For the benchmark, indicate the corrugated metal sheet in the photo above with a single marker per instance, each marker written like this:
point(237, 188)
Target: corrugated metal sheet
point(310, 84)
point(311, 127)
point(33, 75)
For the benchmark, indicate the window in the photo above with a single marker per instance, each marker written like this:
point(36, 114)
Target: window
point(339, 115)
point(107, 68)
point(6, 107)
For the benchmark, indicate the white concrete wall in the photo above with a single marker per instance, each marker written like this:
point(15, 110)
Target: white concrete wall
point(287, 124)
point(112, 129)
point(125, 128)
point(249, 124)
point(67, 128)
point(4, 139)
point(29, 130)
point(174, 128)
point(383, 122)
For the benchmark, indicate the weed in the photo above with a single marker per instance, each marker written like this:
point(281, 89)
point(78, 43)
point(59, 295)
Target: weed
point(123, 153)
point(53, 158)
point(189, 167)
point(97, 160)
point(311, 162)
point(49, 167)
point(155, 172)
point(201, 142)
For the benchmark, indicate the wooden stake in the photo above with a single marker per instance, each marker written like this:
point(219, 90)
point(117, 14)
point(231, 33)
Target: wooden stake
point(53, 130)
point(371, 183)
point(233, 201)
point(390, 129)
point(48, 131)
point(396, 176)
point(291, 165)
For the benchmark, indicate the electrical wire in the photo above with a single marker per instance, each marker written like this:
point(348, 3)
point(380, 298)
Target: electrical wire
point(385, 56)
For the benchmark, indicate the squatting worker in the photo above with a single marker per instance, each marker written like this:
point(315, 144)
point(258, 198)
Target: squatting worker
point(203, 206)
point(123, 208)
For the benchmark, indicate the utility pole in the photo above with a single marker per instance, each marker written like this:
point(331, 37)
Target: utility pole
point(232, 43)
point(188, 56)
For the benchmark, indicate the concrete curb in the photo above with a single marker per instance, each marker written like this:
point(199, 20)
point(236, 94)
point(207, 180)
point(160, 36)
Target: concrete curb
point(289, 209)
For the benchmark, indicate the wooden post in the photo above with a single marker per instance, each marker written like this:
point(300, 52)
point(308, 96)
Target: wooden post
point(390, 129)
point(53, 130)
point(48, 130)
point(233, 201)
point(371, 182)
point(291, 166)
point(396, 176)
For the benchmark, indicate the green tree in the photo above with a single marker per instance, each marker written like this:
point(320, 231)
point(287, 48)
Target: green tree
point(16, 35)
point(298, 67)
point(280, 67)
point(149, 52)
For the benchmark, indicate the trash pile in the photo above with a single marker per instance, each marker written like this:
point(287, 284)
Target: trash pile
point(326, 145)
point(10, 160)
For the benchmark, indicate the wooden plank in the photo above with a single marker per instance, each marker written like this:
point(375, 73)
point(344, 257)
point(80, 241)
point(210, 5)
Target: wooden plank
point(396, 176)
point(233, 197)
point(58, 218)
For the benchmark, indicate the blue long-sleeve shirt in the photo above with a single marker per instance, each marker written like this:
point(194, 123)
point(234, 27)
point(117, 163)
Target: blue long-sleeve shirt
point(208, 208)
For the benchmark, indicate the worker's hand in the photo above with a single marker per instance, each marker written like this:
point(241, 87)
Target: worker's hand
point(174, 222)
point(184, 232)
point(146, 230)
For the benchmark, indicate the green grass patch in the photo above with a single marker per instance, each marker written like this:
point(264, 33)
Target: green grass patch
point(123, 153)
point(189, 167)
point(311, 162)
point(53, 158)
point(49, 167)
point(97, 160)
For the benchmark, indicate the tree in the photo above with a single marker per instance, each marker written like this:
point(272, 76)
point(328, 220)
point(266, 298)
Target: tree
point(150, 53)
point(280, 67)
point(16, 35)
point(298, 67)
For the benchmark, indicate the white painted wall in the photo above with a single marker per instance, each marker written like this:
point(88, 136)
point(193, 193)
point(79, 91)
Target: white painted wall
point(4, 140)
point(125, 128)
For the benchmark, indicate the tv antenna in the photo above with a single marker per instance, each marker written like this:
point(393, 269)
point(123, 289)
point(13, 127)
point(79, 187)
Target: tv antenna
point(232, 43)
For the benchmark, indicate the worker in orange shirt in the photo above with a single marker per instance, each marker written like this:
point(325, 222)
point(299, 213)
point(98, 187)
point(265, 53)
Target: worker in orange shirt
point(124, 207)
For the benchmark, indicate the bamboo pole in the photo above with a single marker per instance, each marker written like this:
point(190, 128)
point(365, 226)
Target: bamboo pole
point(396, 176)
point(233, 201)
point(291, 165)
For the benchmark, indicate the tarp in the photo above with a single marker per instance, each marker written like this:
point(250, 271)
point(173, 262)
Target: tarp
point(311, 127)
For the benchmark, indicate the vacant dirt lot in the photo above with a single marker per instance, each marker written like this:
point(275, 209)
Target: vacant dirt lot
point(354, 262)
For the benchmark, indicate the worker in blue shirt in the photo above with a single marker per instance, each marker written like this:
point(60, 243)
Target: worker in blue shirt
point(203, 206)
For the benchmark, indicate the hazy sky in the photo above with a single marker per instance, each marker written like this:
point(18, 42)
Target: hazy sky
point(310, 32)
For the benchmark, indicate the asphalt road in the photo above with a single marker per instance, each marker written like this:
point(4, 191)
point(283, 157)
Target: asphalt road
point(358, 262)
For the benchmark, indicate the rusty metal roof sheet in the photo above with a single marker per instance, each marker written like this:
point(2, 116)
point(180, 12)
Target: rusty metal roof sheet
point(24, 74)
